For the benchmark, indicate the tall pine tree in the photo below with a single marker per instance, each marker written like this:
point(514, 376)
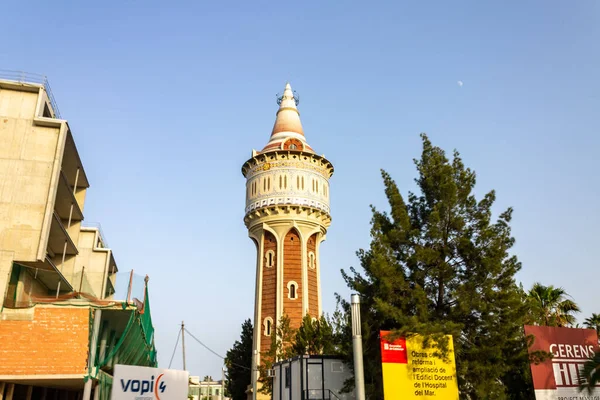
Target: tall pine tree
point(239, 362)
point(438, 264)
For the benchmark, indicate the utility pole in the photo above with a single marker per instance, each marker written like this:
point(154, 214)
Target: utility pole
point(183, 344)
point(359, 379)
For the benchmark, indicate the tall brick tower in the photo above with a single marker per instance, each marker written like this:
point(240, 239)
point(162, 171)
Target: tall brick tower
point(287, 216)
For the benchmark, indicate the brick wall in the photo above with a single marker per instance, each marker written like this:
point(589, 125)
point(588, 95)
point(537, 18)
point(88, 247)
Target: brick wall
point(54, 342)
point(292, 271)
point(269, 290)
point(313, 288)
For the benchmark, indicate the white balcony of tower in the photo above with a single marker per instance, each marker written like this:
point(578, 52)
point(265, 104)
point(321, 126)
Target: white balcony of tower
point(287, 171)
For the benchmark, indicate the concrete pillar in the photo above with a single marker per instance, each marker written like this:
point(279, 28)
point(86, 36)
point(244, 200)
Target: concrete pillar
point(2, 384)
point(112, 341)
point(6, 260)
point(97, 392)
point(10, 390)
point(87, 388)
point(103, 340)
point(29, 392)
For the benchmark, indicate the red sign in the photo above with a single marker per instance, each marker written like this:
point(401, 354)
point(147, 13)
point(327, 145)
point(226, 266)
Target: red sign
point(393, 351)
point(571, 348)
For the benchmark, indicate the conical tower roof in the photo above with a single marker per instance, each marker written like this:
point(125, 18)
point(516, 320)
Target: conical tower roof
point(287, 133)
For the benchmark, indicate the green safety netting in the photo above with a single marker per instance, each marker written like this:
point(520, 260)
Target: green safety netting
point(134, 346)
point(105, 382)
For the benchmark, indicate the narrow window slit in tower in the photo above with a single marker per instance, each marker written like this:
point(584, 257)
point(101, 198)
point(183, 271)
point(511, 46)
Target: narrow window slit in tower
point(292, 287)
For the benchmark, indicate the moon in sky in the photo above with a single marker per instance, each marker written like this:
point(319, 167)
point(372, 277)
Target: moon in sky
point(460, 83)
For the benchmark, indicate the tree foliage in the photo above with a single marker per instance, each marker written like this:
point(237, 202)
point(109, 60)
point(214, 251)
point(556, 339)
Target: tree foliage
point(591, 373)
point(550, 306)
point(593, 322)
point(313, 337)
point(438, 264)
point(239, 363)
point(282, 348)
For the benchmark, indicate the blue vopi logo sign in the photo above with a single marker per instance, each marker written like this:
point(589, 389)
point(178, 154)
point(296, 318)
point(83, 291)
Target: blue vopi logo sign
point(144, 386)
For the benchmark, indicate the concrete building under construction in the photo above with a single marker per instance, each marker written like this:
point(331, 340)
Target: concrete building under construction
point(61, 328)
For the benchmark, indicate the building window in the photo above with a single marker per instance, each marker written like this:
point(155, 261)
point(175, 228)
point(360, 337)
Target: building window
point(298, 182)
point(285, 182)
point(268, 326)
point(292, 290)
point(311, 260)
point(280, 182)
point(288, 377)
point(270, 259)
point(302, 183)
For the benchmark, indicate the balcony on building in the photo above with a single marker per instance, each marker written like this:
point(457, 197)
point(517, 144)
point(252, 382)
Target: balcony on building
point(73, 171)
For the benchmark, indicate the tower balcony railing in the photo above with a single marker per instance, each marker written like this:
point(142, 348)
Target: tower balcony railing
point(28, 77)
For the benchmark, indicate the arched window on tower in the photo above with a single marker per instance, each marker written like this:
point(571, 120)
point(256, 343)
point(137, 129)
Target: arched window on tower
point(270, 259)
point(285, 182)
point(311, 260)
point(302, 183)
point(268, 326)
point(280, 182)
point(292, 290)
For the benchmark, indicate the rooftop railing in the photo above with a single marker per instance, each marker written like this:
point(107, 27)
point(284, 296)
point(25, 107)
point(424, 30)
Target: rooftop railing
point(87, 224)
point(28, 77)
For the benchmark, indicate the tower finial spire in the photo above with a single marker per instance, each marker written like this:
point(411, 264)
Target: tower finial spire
point(288, 117)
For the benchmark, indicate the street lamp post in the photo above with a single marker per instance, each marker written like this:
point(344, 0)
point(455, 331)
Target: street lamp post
point(254, 374)
point(359, 379)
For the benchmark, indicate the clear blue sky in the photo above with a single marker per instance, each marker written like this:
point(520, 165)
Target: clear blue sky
point(167, 99)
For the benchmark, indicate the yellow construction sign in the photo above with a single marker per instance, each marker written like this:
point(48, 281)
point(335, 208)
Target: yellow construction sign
point(412, 372)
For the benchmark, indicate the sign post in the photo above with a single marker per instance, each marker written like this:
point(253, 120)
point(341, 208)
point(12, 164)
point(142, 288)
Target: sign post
point(132, 382)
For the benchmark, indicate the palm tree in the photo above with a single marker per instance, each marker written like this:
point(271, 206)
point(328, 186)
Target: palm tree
point(593, 322)
point(551, 307)
point(591, 372)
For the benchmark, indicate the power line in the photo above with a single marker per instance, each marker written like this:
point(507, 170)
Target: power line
point(175, 349)
point(214, 352)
